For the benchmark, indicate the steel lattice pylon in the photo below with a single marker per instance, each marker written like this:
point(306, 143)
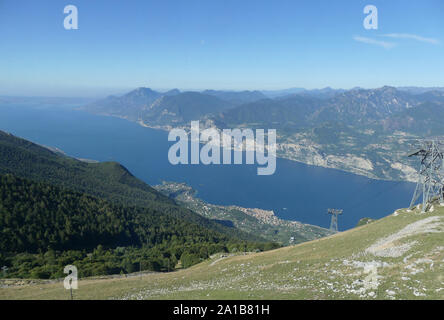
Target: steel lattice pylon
point(431, 176)
point(334, 218)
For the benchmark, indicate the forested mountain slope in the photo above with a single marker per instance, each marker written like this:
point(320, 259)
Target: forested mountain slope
point(109, 180)
point(43, 228)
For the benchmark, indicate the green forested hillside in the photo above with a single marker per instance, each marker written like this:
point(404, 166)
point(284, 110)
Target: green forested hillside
point(108, 180)
point(43, 228)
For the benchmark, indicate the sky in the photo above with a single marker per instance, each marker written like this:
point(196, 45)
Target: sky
point(217, 44)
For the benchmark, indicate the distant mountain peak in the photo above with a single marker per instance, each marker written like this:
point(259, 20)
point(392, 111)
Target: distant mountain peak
point(387, 89)
point(172, 92)
point(141, 91)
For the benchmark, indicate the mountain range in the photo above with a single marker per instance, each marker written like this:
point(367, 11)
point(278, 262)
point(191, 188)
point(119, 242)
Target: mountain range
point(172, 107)
point(305, 108)
point(364, 131)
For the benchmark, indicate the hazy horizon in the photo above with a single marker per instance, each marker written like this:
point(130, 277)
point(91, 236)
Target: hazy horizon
point(118, 92)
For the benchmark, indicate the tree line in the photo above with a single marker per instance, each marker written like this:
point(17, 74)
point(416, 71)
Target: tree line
point(45, 227)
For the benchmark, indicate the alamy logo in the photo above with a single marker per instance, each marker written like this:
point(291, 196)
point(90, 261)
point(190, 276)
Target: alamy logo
point(371, 20)
point(371, 281)
point(70, 281)
point(236, 140)
point(71, 20)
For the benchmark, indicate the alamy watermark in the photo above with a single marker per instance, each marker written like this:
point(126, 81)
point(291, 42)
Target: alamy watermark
point(218, 146)
point(71, 21)
point(371, 281)
point(371, 20)
point(70, 281)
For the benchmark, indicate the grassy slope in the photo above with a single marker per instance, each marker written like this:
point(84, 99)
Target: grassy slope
point(328, 268)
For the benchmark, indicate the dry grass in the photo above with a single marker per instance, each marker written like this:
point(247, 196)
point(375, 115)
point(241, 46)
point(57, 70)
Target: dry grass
point(336, 267)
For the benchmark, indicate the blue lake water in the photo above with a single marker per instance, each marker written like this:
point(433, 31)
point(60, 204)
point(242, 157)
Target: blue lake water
point(296, 191)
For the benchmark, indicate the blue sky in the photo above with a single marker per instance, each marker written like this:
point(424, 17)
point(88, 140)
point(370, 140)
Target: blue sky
point(229, 44)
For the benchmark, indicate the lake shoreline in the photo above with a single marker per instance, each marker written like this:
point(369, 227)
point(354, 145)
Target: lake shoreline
point(295, 192)
point(287, 157)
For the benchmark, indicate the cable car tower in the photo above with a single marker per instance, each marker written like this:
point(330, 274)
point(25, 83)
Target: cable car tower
point(431, 173)
point(334, 218)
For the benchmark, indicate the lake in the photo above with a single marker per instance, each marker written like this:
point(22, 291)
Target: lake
point(296, 191)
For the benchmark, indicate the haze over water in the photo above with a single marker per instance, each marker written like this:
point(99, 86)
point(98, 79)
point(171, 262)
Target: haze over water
point(296, 191)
